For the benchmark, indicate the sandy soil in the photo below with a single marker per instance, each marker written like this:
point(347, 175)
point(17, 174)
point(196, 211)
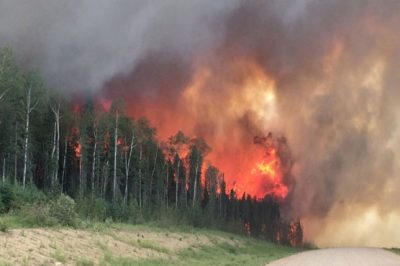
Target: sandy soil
point(341, 257)
point(45, 246)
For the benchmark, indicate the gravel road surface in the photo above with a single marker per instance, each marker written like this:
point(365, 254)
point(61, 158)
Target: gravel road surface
point(341, 257)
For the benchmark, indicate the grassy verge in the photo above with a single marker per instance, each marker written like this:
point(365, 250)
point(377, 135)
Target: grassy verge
point(213, 248)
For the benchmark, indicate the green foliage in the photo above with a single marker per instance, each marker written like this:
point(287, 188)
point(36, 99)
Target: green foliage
point(63, 210)
point(37, 215)
point(3, 226)
point(93, 209)
point(7, 198)
point(30, 195)
point(395, 250)
point(120, 212)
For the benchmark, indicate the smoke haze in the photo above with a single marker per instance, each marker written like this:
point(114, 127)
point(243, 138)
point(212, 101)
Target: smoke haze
point(324, 74)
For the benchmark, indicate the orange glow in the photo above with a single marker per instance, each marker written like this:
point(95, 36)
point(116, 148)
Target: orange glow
point(223, 108)
point(78, 150)
point(269, 175)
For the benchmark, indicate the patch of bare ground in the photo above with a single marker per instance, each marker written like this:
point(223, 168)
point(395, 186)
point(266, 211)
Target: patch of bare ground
point(49, 246)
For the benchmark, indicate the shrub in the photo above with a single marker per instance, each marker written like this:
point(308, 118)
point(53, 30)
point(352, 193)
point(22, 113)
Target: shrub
point(29, 195)
point(3, 227)
point(94, 209)
point(7, 198)
point(37, 215)
point(2, 207)
point(120, 212)
point(63, 210)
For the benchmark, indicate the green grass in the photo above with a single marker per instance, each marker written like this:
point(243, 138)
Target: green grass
point(59, 256)
point(223, 248)
point(395, 250)
point(84, 262)
point(251, 253)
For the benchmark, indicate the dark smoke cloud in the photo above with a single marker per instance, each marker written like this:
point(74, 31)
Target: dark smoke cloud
point(81, 44)
point(336, 70)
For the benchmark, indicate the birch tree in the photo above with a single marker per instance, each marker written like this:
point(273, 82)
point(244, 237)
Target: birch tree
point(55, 153)
point(33, 88)
point(198, 150)
point(177, 145)
point(115, 111)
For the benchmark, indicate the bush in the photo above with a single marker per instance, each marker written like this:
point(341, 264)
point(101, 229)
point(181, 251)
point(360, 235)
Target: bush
point(3, 227)
point(120, 212)
point(63, 210)
point(7, 198)
point(37, 215)
point(29, 195)
point(93, 209)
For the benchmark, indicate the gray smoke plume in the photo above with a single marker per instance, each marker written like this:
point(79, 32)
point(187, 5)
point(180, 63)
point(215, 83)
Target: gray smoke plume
point(335, 67)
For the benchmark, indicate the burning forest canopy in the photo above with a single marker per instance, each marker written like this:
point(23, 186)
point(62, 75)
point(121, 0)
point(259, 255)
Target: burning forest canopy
point(321, 76)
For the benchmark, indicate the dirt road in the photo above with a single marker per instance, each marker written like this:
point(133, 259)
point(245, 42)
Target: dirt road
point(341, 257)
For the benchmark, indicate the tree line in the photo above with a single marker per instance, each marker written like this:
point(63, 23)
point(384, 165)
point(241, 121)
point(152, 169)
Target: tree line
point(96, 155)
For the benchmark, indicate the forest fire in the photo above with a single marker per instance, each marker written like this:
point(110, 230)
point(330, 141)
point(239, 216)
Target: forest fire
point(228, 118)
point(78, 150)
point(225, 72)
point(269, 170)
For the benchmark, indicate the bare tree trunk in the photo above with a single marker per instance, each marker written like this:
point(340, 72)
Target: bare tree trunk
point(94, 158)
point(177, 183)
point(115, 155)
point(54, 141)
point(56, 145)
point(81, 188)
point(105, 179)
point(195, 184)
point(29, 109)
point(16, 155)
point(64, 163)
point(166, 187)
point(4, 169)
point(152, 174)
point(127, 167)
point(3, 94)
point(140, 177)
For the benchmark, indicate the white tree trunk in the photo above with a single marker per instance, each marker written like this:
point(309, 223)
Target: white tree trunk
point(16, 155)
point(166, 187)
point(80, 169)
point(105, 179)
point(57, 145)
point(29, 109)
point(177, 184)
point(115, 156)
point(55, 153)
point(94, 157)
point(153, 172)
point(3, 94)
point(4, 169)
point(127, 167)
point(64, 163)
point(140, 177)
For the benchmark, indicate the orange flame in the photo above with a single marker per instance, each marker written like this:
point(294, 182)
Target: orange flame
point(78, 150)
point(269, 174)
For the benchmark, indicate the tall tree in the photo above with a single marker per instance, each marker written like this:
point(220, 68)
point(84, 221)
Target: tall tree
point(32, 94)
point(178, 147)
point(198, 150)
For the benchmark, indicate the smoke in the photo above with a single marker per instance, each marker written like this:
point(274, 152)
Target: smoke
point(323, 74)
